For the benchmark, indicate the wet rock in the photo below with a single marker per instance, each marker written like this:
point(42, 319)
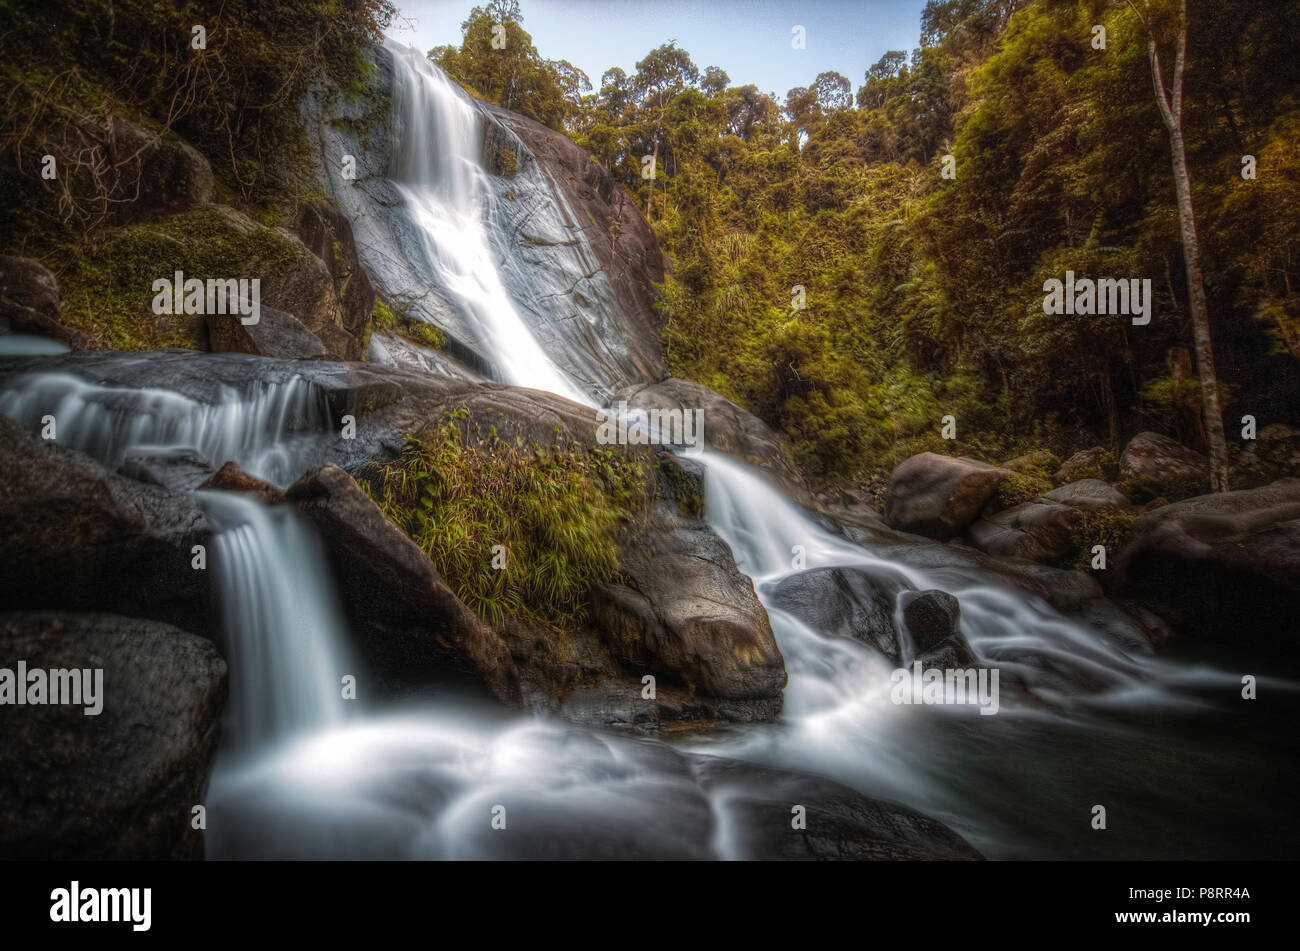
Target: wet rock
point(681, 480)
point(180, 471)
point(1158, 466)
point(932, 619)
point(30, 301)
point(938, 496)
point(572, 248)
point(683, 610)
point(231, 478)
point(727, 428)
point(930, 616)
point(81, 538)
point(276, 334)
point(624, 244)
point(120, 785)
point(410, 628)
point(844, 602)
point(756, 803)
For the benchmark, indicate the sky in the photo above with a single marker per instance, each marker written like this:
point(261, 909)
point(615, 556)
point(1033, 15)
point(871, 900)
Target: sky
point(750, 39)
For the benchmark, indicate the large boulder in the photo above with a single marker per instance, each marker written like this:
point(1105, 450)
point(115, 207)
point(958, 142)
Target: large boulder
point(155, 174)
point(844, 602)
point(80, 538)
point(327, 234)
point(727, 428)
point(121, 784)
point(113, 169)
point(304, 288)
point(681, 609)
point(1039, 531)
point(1273, 454)
point(410, 627)
point(938, 496)
point(1156, 465)
point(30, 301)
point(1224, 567)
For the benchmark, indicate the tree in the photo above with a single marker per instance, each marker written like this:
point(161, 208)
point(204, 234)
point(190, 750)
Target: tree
point(834, 92)
point(715, 81)
point(1170, 103)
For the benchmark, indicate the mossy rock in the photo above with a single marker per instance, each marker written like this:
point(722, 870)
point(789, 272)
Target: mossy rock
point(1021, 487)
point(108, 290)
point(1111, 527)
point(517, 530)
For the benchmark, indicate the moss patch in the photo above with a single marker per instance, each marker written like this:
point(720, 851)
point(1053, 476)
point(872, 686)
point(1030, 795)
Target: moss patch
point(419, 332)
point(1112, 528)
point(1021, 487)
point(108, 291)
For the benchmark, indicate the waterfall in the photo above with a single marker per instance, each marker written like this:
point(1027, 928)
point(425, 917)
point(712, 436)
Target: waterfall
point(283, 633)
point(443, 183)
point(266, 430)
point(282, 627)
point(297, 778)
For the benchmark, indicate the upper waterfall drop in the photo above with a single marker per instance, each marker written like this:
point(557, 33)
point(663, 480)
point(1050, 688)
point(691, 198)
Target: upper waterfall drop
point(440, 175)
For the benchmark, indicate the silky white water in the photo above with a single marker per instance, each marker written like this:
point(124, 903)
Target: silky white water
point(265, 430)
point(283, 631)
point(441, 179)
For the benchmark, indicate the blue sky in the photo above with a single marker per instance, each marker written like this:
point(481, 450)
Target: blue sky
point(750, 39)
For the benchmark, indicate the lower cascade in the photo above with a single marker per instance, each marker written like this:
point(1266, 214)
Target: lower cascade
point(281, 623)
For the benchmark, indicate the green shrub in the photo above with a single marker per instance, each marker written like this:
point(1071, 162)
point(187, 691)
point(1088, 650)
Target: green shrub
point(554, 509)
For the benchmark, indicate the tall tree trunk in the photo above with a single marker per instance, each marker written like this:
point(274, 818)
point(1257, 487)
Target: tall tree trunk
point(1172, 113)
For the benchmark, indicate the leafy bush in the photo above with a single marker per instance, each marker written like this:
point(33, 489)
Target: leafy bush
point(554, 509)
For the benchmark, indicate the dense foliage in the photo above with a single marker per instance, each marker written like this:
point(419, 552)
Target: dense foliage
point(497, 61)
point(923, 294)
point(76, 64)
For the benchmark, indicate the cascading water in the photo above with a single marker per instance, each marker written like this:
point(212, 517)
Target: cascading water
point(441, 179)
point(283, 633)
point(266, 430)
point(295, 781)
point(284, 636)
point(968, 770)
